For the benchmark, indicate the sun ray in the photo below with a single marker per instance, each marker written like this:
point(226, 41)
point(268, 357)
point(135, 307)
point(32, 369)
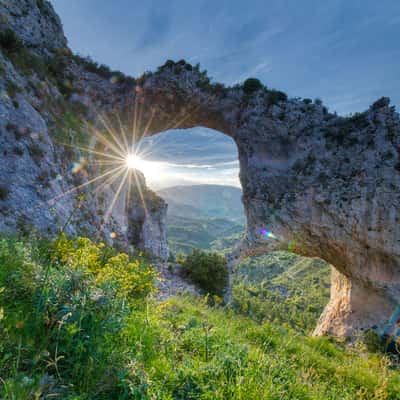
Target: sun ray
point(139, 189)
point(109, 181)
point(106, 142)
point(74, 189)
point(99, 153)
point(110, 208)
point(102, 138)
point(121, 159)
point(146, 129)
point(123, 132)
point(104, 162)
point(139, 120)
point(134, 127)
point(110, 131)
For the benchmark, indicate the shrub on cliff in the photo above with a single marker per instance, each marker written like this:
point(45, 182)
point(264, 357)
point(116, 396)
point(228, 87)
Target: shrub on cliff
point(101, 69)
point(10, 42)
point(4, 192)
point(208, 270)
point(251, 85)
point(275, 96)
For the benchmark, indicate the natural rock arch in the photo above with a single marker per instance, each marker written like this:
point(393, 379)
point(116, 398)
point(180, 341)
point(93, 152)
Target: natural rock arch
point(325, 185)
point(328, 186)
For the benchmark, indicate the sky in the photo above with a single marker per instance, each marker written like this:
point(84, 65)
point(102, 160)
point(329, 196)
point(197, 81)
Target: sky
point(188, 157)
point(345, 52)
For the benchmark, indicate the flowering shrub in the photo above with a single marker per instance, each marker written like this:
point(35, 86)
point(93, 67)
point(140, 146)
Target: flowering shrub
point(131, 279)
point(63, 305)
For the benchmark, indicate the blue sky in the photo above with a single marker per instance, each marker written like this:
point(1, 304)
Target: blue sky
point(345, 52)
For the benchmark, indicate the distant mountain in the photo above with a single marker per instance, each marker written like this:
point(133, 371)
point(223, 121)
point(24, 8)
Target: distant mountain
point(199, 215)
point(204, 201)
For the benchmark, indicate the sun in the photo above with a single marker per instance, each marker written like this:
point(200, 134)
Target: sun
point(132, 161)
point(150, 169)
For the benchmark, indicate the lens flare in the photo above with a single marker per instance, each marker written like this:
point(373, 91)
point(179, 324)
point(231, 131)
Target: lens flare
point(268, 234)
point(391, 332)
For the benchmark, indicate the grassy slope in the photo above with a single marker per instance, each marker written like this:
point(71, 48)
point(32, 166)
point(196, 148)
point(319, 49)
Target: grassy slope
point(65, 332)
point(215, 354)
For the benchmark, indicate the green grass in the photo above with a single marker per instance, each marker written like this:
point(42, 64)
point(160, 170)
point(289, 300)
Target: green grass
point(77, 322)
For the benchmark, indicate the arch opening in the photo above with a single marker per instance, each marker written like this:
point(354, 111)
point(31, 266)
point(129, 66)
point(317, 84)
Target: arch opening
point(198, 177)
point(314, 193)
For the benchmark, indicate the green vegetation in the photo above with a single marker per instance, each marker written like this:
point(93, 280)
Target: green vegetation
point(252, 85)
point(77, 323)
point(207, 270)
point(186, 234)
point(12, 89)
point(103, 70)
point(53, 68)
point(380, 103)
point(4, 192)
point(10, 42)
point(275, 96)
point(283, 288)
point(201, 214)
point(62, 305)
point(22, 58)
point(36, 152)
point(345, 131)
point(69, 128)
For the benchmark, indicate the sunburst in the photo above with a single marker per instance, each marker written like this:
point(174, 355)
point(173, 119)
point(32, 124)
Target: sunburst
point(117, 154)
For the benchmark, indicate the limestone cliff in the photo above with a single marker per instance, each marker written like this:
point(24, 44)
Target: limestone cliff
point(324, 185)
point(43, 173)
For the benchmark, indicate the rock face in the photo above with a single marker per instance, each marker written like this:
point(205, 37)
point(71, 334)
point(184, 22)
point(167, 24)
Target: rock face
point(43, 184)
point(324, 185)
point(36, 24)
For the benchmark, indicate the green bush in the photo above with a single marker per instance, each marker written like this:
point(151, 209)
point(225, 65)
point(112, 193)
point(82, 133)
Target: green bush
point(12, 89)
point(208, 270)
point(275, 96)
point(381, 103)
point(4, 192)
point(10, 42)
point(318, 102)
point(252, 85)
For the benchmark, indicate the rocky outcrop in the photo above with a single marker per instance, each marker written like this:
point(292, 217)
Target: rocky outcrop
point(43, 176)
point(35, 23)
point(323, 185)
